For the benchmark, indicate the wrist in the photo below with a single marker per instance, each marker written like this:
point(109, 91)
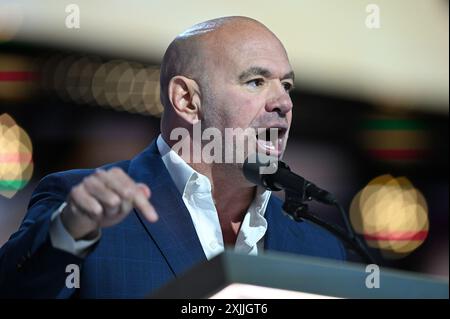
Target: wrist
point(79, 227)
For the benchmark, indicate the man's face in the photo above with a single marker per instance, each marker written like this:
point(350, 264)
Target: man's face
point(249, 80)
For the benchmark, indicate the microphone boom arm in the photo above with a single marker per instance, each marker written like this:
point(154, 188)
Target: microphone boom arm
point(294, 206)
point(298, 190)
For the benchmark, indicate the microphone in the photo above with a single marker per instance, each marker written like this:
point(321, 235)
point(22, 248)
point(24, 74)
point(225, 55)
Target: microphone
point(275, 175)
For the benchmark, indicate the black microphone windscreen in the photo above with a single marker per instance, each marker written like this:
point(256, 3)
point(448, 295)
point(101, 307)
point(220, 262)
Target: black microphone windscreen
point(257, 165)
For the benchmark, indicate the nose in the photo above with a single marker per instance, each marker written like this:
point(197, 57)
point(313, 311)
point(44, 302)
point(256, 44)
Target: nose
point(279, 100)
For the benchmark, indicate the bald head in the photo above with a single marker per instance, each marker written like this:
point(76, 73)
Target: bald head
point(194, 50)
point(226, 73)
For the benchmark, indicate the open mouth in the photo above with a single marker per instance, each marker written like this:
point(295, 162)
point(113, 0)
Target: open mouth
point(270, 140)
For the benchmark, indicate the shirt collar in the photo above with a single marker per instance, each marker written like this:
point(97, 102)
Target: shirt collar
point(179, 170)
point(185, 176)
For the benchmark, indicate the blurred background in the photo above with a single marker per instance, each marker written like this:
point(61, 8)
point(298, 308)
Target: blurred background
point(79, 88)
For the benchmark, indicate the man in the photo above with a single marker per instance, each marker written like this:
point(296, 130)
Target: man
point(224, 73)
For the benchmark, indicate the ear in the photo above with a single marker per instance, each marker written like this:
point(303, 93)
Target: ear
point(184, 95)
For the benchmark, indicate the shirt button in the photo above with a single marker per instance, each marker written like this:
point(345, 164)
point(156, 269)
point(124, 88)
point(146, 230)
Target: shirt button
point(213, 245)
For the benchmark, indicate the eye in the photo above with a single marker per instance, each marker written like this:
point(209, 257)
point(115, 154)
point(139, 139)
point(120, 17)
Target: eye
point(255, 83)
point(288, 86)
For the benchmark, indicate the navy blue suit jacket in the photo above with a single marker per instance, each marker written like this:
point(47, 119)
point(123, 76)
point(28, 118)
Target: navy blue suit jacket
point(134, 257)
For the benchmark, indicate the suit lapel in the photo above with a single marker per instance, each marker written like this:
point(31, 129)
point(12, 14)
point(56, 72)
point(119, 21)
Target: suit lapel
point(283, 234)
point(174, 232)
point(273, 239)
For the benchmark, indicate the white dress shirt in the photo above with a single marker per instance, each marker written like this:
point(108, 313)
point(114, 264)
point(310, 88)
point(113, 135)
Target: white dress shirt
point(195, 189)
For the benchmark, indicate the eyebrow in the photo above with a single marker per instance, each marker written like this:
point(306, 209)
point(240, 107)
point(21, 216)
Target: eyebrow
point(256, 70)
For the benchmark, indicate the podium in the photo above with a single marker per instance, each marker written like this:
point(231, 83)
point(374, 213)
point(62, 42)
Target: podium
point(275, 275)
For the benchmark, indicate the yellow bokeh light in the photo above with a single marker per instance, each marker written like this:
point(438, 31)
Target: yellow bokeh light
point(16, 166)
point(391, 214)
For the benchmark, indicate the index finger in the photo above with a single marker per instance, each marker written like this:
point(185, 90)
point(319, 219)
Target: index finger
point(141, 202)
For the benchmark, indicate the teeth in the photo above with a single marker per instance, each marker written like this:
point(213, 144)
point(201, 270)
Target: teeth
point(267, 145)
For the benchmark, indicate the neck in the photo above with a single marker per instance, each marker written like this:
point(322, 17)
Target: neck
point(232, 195)
point(231, 199)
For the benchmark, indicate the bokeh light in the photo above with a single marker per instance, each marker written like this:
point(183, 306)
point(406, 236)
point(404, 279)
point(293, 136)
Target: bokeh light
point(392, 216)
point(116, 84)
point(16, 166)
point(395, 139)
point(18, 77)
